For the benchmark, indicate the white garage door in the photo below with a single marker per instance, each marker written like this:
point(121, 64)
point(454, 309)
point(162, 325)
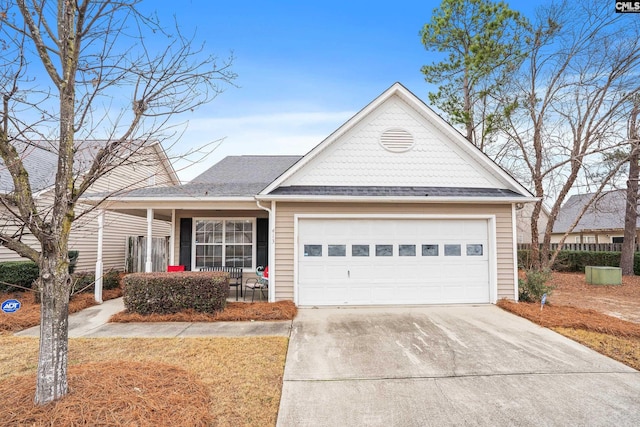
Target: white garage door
point(392, 261)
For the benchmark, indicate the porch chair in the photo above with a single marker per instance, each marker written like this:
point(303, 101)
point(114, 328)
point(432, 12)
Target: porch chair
point(261, 283)
point(235, 276)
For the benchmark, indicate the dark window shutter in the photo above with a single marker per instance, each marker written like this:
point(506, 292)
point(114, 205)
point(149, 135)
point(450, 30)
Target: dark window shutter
point(186, 227)
point(262, 237)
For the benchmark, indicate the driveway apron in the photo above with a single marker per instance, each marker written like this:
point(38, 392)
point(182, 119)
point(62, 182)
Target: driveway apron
point(447, 365)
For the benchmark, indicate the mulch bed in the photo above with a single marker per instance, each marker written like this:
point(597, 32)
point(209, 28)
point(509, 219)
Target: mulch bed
point(234, 311)
point(127, 394)
point(575, 283)
point(559, 316)
point(622, 301)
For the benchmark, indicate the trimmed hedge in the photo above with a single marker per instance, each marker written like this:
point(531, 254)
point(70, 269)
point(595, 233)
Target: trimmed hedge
point(85, 281)
point(20, 273)
point(167, 293)
point(575, 261)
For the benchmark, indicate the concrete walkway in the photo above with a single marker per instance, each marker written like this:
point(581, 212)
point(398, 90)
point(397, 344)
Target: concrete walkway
point(92, 322)
point(441, 366)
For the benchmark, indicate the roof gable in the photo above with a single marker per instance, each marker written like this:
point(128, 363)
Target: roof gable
point(355, 156)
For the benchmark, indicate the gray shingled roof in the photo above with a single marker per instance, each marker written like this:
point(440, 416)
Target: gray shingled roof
point(233, 176)
point(394, 191)
point(41, 166)
point(606, 213)
point(41, 162)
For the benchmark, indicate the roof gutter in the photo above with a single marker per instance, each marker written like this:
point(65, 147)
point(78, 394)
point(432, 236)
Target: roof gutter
point(166, 198)
point(388, 199)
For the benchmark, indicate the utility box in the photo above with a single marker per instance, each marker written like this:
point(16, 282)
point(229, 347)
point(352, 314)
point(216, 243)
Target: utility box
point(603, 275)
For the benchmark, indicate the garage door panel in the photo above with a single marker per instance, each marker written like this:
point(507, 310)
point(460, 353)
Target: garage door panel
point(329, 295)
point(359, 295)
point(312, 272)
point(423, 275)
point(384, 293)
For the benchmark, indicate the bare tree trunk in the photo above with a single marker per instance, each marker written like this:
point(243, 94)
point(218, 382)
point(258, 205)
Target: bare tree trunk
point(631, 213)
point(468, 109)
point(52, 358)
point(75, 44)
point(534, 262)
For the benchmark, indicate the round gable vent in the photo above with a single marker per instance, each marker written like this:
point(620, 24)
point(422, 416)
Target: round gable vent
point(397, 140)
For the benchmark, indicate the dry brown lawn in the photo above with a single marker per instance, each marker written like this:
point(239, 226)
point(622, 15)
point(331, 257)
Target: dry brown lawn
point(604, 318)
point(242, 378)
point(126, 382)
point(621, 301)
point(129, 393)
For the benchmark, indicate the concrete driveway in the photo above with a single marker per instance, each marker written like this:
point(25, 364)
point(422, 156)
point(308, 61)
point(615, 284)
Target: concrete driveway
point(454, 365)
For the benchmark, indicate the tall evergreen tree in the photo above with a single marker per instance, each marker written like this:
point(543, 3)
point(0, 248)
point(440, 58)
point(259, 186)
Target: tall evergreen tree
point(482, 41)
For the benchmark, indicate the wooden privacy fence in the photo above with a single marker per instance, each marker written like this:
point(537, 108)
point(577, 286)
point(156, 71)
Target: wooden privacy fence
point(137, 253)
point(589, 247)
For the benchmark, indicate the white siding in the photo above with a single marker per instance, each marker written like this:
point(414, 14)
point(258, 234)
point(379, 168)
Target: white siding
point(134, 174)
point(358, 158)
point(117, 227)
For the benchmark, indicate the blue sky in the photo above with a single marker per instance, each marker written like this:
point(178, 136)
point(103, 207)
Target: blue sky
point(304, 67)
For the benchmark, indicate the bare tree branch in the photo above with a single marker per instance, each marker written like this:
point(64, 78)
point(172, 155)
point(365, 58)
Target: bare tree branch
point(75, 86)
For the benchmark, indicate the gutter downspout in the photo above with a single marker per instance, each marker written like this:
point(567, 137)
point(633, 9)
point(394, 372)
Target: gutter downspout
point(271, 245)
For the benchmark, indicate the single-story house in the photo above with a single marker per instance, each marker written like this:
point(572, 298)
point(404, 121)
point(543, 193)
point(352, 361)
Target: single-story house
point(602, 222)
point(394, 207)
point(149, 168)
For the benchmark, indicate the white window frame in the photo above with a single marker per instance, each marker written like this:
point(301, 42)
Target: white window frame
point(224, 220)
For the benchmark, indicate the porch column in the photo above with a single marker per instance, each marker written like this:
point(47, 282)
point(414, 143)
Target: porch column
point(272, 253)
point(148, 268)
point(99, 267)
point(172, 239)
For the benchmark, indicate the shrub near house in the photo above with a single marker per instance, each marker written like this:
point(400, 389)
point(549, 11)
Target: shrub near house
point(85, 281)
point(166, 293)
point(575, 261)
point(19, 273)
point(24, 273)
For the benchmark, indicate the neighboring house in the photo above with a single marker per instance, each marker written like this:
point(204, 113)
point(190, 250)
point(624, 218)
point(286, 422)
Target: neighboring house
point(602, 222)
point(394, 207)
point(150, 167)
point(523, 219)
